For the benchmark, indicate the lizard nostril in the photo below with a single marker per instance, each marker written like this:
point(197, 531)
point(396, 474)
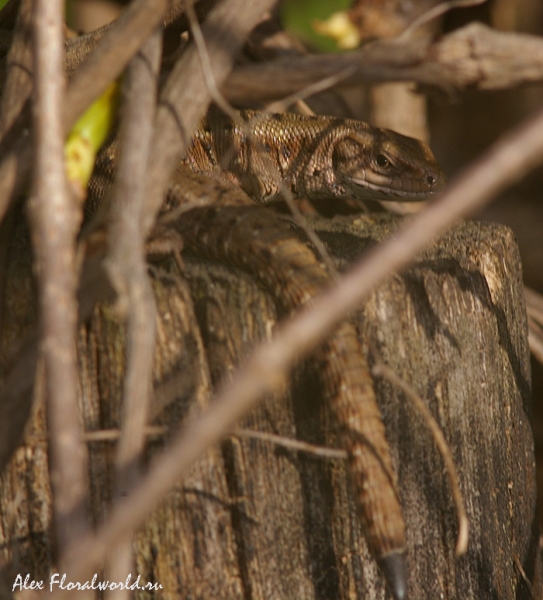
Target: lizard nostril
point(431, 180)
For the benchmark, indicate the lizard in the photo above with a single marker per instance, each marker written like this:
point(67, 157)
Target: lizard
point(313, 157)
point(233, 164)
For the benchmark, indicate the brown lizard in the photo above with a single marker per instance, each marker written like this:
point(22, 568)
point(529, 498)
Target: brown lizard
point(313, 157)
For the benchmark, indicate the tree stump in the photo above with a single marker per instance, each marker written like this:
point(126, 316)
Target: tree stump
point(256, 520)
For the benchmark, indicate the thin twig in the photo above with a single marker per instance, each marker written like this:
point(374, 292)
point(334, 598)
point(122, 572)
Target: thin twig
point(125, 262)
point(55, 220)
point(247, 128)
point(113, 435)
point(292, 444)
point(534, 309)
point(266, 368)
point(301, 221)
point(315, 88)
point(381, 369)
point(18, 85)
point(111, 56)
point(184, 100)
point(525, 578)
point(127, 269)
point(434, 13)
point(207, 70)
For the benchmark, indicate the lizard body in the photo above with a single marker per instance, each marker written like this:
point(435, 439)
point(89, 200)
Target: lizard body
point(313, 157)
point(262, 244)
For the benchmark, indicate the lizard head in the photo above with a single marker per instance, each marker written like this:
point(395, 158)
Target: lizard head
point(384, 165)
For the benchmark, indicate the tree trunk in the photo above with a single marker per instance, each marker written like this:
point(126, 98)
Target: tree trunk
point(256, 520)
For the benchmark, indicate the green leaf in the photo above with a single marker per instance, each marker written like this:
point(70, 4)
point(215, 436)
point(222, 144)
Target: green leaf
point(88, 135)
point(323, 25)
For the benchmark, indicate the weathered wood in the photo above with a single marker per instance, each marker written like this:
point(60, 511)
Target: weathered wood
point(255, 520)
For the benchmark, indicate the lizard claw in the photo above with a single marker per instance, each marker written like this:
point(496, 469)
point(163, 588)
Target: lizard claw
point(394, 568)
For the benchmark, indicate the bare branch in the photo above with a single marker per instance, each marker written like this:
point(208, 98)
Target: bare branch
point(472, 57)
point(292, 444)
point(127, 268)
point(108, 60)
point(18, 84)
point(534, 308)
point(55, 220)
point(120, 42)
point(185, 97)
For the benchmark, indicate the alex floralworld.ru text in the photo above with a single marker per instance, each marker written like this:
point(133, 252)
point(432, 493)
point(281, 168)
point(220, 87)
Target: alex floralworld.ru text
point(56, 580)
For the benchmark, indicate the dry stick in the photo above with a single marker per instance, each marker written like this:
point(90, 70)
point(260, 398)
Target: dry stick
point(108, 60)
point(55, 220)
point(246, 127)
point(185, 97)
point(524, 576)
point(434, 13)
point(112, 435)
point(292, 444)
point(18, 84)
point(474, 56)
point(106, 63)
point(327, 83)
point(381, 369)
point(266, 368)
point(127, 269)
point(207, 69)
point(534, 308)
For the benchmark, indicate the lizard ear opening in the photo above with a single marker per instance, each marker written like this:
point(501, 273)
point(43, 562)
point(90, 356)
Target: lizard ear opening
point(348, 153)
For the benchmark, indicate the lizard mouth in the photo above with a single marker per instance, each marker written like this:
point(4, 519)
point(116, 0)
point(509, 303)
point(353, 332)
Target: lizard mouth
point(373, 186)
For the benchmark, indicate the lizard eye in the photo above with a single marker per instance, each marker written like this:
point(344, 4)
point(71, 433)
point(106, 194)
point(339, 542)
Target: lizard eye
point(382, 161)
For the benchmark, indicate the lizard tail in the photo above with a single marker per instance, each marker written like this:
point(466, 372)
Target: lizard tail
point(259, 242)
